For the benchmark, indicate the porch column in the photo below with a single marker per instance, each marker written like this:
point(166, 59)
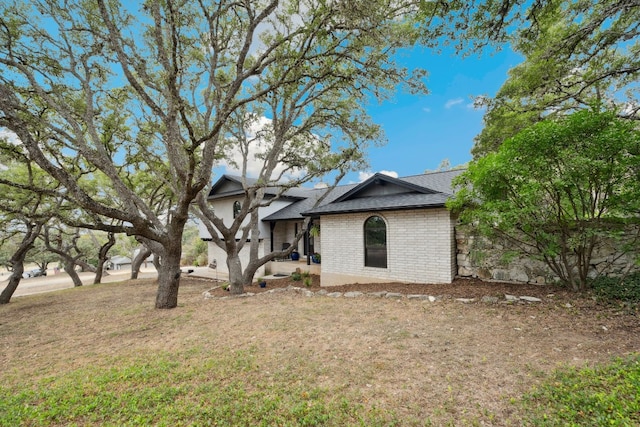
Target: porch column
point(272, 225)
point(307, 236)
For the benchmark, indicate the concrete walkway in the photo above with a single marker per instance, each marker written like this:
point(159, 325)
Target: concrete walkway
point(55, 282)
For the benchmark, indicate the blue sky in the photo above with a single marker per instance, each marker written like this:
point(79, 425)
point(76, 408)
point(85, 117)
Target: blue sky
point(423, 130)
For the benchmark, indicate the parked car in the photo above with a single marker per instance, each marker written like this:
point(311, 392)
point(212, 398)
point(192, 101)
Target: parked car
point(36, 272)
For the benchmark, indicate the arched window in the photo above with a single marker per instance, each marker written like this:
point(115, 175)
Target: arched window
point(375, 242)
point(236, 208)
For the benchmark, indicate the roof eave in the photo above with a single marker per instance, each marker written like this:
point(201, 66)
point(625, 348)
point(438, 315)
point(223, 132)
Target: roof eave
point(383, 208)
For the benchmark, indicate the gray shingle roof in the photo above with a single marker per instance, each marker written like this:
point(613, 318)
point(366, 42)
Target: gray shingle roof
point(440, 182)
point(391, 202)
point(215, 193)
point(295, 210)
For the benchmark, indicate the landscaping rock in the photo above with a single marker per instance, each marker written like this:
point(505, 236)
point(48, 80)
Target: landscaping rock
point(353, 294)
point(378, 294)
point(394, 295)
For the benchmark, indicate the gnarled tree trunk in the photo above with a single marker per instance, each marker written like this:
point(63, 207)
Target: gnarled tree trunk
point(143, 254)
point(169, 252)
point(70, 268)
point(12, 285)
point(169, 277)
point(236, 278)
point(17, 261)
point(102, 257)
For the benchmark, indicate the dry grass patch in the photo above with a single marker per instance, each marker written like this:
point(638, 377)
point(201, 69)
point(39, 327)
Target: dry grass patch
point(288, 359)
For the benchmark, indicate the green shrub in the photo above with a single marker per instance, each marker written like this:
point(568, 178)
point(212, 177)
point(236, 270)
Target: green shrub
point(296, 276)
point(605, 395)
point(307, 281)
point(611, 289)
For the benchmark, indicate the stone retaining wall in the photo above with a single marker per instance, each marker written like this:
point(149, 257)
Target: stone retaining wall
point(480, 257)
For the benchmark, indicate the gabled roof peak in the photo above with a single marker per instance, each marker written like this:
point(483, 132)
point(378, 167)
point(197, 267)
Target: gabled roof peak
point(232, 185)
point(371, 187)
point(378, 192)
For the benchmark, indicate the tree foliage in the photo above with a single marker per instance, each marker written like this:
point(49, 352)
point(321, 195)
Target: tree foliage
point(328, 69)
point(558, 189)
point(576, 53)
point(23, 213)
point(101, 91)
point(75, 247)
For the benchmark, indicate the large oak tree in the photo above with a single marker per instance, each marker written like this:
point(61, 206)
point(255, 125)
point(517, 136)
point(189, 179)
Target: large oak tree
point(576, 53)
point(103, 90)
point(23, 212)
point(317, 121)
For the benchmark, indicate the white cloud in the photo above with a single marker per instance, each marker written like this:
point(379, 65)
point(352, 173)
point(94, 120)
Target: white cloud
point(257, 125)
point(476, 106)
point(9, 136)
point(630, 109)
point(363, 176)
point(392, 174)
point(256, 132)
point(426, 109)
point(452, 102)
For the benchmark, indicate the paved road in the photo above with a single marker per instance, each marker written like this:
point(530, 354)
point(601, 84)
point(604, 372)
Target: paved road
point(54, 282)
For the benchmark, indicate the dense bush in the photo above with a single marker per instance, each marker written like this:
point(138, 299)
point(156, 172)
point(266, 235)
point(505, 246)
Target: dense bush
point(625, 289)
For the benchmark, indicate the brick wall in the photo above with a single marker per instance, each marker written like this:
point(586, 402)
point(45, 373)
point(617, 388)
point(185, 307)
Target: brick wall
point(285, 232)
point(420, 248)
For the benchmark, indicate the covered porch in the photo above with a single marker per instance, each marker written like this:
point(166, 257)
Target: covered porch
point(288, 266)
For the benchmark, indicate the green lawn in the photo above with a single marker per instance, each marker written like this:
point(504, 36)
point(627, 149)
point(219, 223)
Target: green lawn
point(101, 355)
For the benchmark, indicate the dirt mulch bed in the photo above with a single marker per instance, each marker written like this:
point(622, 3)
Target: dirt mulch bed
point(460, 288)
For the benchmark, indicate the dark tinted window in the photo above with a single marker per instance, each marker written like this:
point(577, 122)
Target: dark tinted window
point(375, 242)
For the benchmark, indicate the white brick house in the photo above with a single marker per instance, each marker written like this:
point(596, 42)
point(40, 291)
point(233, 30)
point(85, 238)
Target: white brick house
point(382, 230)
point(226, 194)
